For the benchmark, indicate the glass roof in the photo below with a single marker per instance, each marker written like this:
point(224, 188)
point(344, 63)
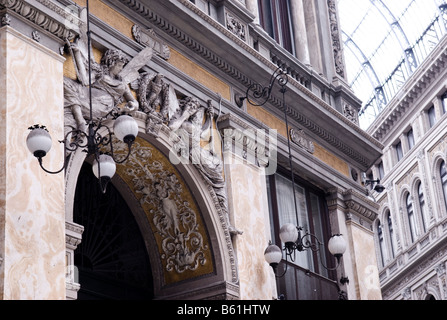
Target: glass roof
point(384, 43)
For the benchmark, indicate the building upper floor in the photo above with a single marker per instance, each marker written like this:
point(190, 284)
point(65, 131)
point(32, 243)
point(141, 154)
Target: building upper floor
point(412, 220)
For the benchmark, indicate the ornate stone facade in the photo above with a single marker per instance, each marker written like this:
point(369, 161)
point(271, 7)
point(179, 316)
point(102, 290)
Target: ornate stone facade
point(411, 251)
point(196, 180)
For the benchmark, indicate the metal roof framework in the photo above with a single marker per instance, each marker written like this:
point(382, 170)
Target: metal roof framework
point(384, 43)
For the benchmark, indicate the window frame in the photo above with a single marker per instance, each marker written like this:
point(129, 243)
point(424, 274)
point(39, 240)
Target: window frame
point(431, 114)
point(399, 151)
point(421, 203)
point(381, 170)
point(390, 232)
point(444, 102)
point(275, 19)
point(299, 282)
point(443, 180)
point(410, 139)
point(381, 239)
point(411, 218)
point(274, 217)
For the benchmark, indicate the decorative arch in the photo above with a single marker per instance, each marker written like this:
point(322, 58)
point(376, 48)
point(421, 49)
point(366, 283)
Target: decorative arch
point(380, 243)
point(421, 220)
point(438, 159)
point(405, 198)
point(431, 293)
point(207, 259)
point(388, 247)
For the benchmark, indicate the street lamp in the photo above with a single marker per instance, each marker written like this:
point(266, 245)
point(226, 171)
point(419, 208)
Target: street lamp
point(125, 128)
point(294, 242)
point(290, 234)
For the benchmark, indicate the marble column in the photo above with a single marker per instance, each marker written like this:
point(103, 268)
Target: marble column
point(32, 211)
point(299, 31)
point(352, 215)
point(249, 209)
point(252, 6)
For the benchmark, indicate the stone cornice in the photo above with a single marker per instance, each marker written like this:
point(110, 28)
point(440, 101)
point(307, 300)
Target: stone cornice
point(360, 205)
point(357, 207)
point(45, 14)
point(266, 67)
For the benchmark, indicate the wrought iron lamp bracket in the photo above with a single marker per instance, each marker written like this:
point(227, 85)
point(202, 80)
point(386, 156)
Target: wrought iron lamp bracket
point(262, 94)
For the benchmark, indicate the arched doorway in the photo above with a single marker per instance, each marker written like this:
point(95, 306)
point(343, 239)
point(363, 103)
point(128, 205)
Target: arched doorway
point(112, 259)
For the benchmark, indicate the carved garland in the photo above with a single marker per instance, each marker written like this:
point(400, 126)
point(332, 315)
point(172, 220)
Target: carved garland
point(335, 34)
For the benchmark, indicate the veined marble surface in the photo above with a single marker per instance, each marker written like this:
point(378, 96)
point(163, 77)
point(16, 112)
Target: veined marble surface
point(32, 214)
point(249, 207)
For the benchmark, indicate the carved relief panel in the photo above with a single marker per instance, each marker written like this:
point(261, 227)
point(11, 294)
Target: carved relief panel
point(170, 208)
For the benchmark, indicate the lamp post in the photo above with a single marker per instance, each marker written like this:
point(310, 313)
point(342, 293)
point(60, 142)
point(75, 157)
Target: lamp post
point(291, 235)
point(125, 129)
point(273, 254)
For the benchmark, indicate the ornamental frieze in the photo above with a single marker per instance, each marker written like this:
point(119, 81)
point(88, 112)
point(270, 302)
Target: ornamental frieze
point(235, 26)
point(62, 30)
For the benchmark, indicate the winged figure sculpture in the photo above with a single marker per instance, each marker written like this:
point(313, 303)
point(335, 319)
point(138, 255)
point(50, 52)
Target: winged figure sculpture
point(109, 80)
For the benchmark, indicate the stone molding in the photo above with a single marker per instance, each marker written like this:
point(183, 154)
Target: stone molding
point(358, 208)
point(242, 139)
point(245, 81)
point(299, 137)
point(73, 234)
point(220, 291)
point(403, 281)
point(57, 26)
point(148, 38)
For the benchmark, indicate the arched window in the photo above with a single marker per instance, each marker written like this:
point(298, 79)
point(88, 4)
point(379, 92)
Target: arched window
point(381, 243)
point(411, 218)
point(422, 205)
point(391, 233)
point(443, 173)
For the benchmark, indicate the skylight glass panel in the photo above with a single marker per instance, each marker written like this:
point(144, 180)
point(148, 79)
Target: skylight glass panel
point(369, 35)
point(387, 57)
point(376, 34)
point(417, 18)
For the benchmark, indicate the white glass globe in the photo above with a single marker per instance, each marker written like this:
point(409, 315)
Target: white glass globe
point(288, 233)
point(125, 128)
point(337, 245)
point(39, 142)
point(273, 254)
point(107, 167)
